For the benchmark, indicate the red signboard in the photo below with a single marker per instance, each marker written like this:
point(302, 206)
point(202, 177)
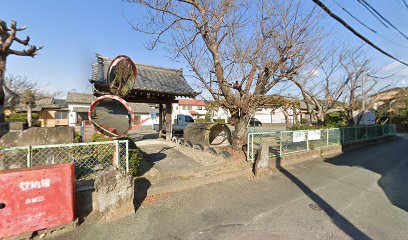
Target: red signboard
point(36, 198)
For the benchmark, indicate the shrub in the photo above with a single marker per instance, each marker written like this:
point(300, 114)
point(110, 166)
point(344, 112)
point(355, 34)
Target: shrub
point(97, 137)
point(17, 117)
point(134, 161)
point(222, 121)
point(135, 156)
point(77, 138)
point(335, 119)
point(307, 127)
point(200, 120)
point(35, 116)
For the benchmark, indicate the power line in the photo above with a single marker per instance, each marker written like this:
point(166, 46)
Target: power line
point(366, 26)
point(351, 15)
point(342, 22)
point(405, 3)
point(365, 3)
point(377, 77)
point(375, 15)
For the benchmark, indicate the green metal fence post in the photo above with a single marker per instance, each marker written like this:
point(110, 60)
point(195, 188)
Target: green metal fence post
point(280, 144)
point(366, 132)
point(248, 146)
point(127, 156)
point(116, 160)
point(252, 147)
point(355, 134)
point(327, 137)
point(29, 162)
point(307, 140)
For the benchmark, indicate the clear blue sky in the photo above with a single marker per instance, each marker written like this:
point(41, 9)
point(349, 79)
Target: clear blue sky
point(73, 31)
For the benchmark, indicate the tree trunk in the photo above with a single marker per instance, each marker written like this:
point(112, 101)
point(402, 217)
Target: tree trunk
point(348, 114)
point(286, 114)
point(2, 77)
point(29, 116)
point(240, 124)
point(295, 116)
point(320, 116)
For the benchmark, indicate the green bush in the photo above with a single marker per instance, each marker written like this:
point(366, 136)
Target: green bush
point(77, 138)
point(97, 137)
point(17, 117)
point(134, 161)
point(335, 119)
point(35, 116)
point(307, 127)
point(21, 117)
point(200, 120)
point(222, 121)
point(135, 156)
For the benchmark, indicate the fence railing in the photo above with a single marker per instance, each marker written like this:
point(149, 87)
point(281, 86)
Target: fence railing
point(88, 157)
point(287, 142)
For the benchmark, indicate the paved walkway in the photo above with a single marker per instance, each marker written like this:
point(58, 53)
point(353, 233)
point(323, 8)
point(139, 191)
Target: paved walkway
point(361, 194)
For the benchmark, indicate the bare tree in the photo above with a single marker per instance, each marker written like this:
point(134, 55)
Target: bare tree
point(237, 50)
point(19, 91)
point(343, 83)
point(8, 36)
point(322, 86)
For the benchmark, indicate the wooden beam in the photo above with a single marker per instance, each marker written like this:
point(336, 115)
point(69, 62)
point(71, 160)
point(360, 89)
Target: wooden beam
point(169, 124)
point(160, 120)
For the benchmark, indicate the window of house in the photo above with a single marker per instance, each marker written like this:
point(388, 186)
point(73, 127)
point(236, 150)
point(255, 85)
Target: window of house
point(82, 116)
point(185, 107)
point(199, 108)
point(189, 119)
point(61, 115)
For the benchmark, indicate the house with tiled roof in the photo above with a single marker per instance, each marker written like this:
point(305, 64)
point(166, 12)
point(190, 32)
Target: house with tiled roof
point(51, 111)
point(78, 105)
point(198, 109)
point(194, 107)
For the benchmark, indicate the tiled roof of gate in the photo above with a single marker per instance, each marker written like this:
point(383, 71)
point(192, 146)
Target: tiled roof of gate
point(150, 78)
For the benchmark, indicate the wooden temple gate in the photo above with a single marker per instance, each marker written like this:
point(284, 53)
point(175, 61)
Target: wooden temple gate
point(152, 84)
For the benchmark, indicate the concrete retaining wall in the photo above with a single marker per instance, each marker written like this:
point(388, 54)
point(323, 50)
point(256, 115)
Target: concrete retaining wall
point(38, 136)
point(110, 196)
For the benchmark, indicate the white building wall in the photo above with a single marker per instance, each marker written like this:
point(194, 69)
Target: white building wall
point(180, 109)
point(71, 107)
point(270, 115)
point(221, 113)
point(144, 116)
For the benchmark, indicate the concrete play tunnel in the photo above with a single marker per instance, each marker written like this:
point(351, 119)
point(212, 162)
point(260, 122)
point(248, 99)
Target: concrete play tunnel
point(208, 134)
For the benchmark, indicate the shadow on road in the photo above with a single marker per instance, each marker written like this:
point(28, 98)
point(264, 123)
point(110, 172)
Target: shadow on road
point(149, 160)
point(141, 185)
point(340, 221)
point(390, 160)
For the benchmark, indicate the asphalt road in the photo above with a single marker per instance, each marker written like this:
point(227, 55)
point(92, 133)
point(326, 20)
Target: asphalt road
point(362, 194)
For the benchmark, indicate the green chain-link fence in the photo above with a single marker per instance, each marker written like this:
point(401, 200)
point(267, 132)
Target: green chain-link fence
point(287, 142)
point(88, 157)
